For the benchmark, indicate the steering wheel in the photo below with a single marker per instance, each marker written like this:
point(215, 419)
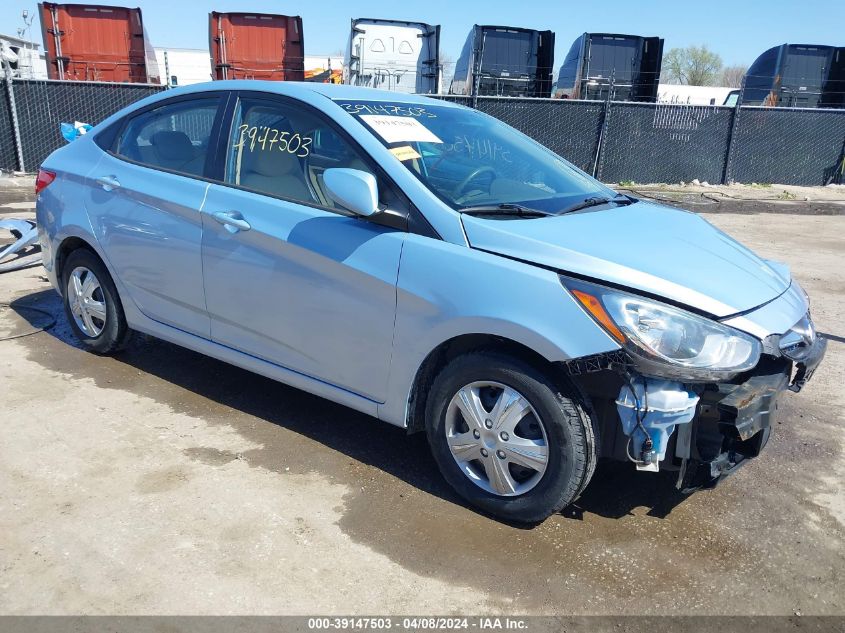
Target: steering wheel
point(456, 192)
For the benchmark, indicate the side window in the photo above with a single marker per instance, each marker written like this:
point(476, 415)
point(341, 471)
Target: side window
point(175, 136)
point(281, 150)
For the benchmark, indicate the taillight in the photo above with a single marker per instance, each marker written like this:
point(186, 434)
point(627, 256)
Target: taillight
point(44, 178)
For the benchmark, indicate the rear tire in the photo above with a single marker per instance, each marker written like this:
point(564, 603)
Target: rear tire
point(540, 420)
point(92, 305)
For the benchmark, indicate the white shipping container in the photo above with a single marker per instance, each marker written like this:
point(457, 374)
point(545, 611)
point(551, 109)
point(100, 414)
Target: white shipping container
point(393, 55)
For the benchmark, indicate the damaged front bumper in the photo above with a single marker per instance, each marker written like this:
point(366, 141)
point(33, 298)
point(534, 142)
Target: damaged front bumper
point(729, 424)
point(734, 419)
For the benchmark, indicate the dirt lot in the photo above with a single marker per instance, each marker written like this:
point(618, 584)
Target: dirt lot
point(160, 481)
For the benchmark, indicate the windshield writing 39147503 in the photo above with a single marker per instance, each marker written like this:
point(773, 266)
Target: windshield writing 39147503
point(388, 109)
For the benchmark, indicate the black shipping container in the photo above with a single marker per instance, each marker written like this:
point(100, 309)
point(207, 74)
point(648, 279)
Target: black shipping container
point(609, 65)
point(797, 76)
point(505, 61)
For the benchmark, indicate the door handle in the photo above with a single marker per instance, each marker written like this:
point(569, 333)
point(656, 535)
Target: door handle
point(108, 182)
point(232, 221)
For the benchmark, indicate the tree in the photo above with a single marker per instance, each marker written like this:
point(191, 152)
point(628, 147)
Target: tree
point(732, 76)
point(693, 66)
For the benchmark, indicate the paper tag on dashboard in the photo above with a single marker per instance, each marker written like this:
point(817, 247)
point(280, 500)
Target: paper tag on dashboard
point(405, 152)
point(396, 129)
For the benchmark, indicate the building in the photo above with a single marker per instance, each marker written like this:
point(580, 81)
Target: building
point(692, 95)
point(183, 66)
point(25, 58)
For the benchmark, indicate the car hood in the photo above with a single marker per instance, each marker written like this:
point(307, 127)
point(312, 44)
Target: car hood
point(648, 247)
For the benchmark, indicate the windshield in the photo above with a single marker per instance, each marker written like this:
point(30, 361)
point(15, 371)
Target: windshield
point(469, 159)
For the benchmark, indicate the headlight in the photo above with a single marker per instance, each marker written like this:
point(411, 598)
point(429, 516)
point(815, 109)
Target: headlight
point(667, 341)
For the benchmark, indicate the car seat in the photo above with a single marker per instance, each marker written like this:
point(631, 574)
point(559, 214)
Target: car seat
point(275, 172)
point(174, 150)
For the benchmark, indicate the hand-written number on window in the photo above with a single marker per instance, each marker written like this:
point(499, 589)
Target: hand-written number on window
point(266, 138)
point(480, 148)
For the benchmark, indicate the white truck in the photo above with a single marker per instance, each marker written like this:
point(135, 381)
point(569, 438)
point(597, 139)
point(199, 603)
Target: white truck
point(393, 55)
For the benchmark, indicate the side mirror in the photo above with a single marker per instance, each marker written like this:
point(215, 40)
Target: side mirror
point(354, 189)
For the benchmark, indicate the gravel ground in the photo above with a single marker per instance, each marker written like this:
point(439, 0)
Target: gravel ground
point(161, 481)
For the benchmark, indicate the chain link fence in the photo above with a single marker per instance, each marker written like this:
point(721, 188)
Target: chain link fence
point(789, 146)
point(648, 142)
point(656, 142)
point(568, 128)
point(614, 141)
point(42, 105)
point(8, 154)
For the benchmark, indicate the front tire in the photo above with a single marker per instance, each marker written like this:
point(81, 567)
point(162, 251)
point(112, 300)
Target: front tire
point(92, 304)
point(507, 439)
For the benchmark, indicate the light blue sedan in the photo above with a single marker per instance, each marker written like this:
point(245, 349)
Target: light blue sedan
point(428, 265)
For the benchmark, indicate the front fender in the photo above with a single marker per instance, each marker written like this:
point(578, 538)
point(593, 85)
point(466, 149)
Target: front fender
point(448, 290)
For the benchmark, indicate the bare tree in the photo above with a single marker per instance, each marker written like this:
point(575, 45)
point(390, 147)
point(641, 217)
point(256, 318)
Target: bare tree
point(732, 76)
point(693, 65)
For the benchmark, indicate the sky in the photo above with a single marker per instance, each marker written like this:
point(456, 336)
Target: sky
point(738, 30)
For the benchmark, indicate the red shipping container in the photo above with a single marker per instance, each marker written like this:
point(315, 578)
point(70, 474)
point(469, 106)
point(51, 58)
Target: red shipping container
point(89, 42)
point(256, 46)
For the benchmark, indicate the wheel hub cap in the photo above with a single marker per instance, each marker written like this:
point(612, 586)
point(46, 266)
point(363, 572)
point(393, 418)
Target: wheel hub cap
point(496, 438)
point(87, 301)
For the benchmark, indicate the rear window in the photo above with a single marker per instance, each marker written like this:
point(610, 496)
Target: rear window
point(174, 137)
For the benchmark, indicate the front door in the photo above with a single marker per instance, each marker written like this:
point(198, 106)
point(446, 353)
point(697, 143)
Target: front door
point(289, 276)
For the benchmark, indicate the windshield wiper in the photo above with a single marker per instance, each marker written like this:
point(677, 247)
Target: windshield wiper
point(504, 209)
point(594, 201)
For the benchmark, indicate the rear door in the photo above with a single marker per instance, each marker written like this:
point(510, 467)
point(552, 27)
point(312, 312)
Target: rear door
point(145, 207)
point(290, 277)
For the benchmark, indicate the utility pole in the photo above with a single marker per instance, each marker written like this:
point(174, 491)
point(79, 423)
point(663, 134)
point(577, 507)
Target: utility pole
point(25, 33)
point(16, 130)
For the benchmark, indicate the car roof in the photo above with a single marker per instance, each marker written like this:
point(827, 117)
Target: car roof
point(305, 90)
